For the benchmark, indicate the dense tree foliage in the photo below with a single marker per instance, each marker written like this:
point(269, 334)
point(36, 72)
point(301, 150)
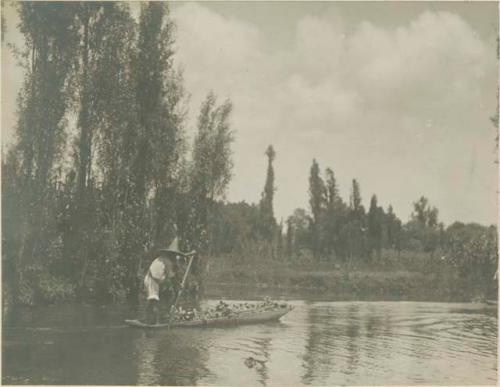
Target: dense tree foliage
point(375, 227)
point(99, 174)
point(34, 160)
point(210, 170)
point(317, 203)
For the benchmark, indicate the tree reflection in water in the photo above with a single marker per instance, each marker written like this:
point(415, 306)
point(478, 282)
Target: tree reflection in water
point(324, 339)
point(263, 346)
point(352, 336)
point(174, 357)
point(337, 337)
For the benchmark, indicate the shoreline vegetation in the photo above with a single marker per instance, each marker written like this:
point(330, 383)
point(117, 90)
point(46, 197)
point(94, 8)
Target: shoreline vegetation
point(102, 174)
point(333, 282)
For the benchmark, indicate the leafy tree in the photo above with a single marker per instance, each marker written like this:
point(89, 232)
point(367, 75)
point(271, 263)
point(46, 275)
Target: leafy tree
point(158, 143)
point(334, 216)
point(235, 228)
point(279, 240)
point(473, 250)
point(141, 134)
point(422, 232)
point(89, 19)
point(13, 227)
point(300, 224)
point(114, 127)
point(42, 101)
point(211, 166)
point(317, 203)
point(332, 194)
point(394, 230)
point(289, 238)
point(355, 198)
point(42, 106)
point(375, 226)
point(355, 228)
point(317, 192)
point(266, 202)
point(160, 111)
point(106, 211)
point(423, 213)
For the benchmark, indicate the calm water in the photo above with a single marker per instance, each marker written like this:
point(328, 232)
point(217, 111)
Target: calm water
point(317, 343)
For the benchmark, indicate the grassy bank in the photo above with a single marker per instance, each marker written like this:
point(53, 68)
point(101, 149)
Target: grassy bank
point(238, 278)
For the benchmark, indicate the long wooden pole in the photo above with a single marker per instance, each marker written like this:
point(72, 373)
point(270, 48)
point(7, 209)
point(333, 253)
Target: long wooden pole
point(179, 292)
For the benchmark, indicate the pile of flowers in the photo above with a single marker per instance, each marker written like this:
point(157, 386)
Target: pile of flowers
point(225, 310)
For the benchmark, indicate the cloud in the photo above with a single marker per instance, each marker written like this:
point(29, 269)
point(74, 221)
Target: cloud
point(207, 41)
point(365, 100)
point(437, 58)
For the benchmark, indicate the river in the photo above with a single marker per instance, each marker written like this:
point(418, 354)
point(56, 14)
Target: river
point(317, 343)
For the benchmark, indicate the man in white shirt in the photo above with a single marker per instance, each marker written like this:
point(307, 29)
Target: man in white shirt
point(162, 273)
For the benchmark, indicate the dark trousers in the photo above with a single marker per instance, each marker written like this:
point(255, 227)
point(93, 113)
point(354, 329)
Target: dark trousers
point(153, 312)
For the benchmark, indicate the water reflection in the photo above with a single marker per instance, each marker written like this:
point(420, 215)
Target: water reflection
point(259, 364)
point(170, 358)
point(352, 343)
point(316, 344)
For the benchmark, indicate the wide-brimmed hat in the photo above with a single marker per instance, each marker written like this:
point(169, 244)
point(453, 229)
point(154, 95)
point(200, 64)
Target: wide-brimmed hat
point(173, 248)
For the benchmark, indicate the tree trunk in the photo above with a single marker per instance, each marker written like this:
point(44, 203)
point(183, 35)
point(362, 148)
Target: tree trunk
point(84, 146)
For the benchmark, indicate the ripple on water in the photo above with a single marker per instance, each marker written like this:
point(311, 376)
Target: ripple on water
point(317, 343)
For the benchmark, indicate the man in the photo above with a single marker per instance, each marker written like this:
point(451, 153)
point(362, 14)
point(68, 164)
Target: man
point(163, 273)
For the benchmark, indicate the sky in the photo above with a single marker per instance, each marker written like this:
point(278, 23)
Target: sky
point(396, 95)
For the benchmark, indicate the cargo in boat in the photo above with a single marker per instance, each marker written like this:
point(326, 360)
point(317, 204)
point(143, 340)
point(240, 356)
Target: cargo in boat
point(240, 317)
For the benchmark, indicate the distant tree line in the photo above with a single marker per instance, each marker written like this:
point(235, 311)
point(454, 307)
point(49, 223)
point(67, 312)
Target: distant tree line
point(347, 235)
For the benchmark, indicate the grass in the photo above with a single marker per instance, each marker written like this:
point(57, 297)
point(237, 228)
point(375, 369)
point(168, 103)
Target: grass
point(237, 276)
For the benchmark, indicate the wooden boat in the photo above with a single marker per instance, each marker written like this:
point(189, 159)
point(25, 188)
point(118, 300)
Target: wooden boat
point(237, 318)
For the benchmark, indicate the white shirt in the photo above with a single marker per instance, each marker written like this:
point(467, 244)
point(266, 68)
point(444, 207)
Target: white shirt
point(162, 268)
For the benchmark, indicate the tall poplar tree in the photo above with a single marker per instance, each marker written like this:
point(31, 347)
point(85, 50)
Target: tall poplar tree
point(289, 237)
point(266, 202)
point(42, 105)
point(160, 111)
point(334, 215)
point(114, 107)
point(375, 226)
point(317, 203)
point(80, 238)
point(394, 230)
point(355, 228)
point(210, 170)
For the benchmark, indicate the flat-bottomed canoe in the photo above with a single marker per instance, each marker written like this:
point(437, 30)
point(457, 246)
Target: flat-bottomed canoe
point(239, 318)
